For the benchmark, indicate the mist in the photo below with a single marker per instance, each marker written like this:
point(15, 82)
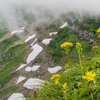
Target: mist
point(14, 12)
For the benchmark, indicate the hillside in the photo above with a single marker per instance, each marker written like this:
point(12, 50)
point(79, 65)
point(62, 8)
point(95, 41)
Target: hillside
point(31, 54)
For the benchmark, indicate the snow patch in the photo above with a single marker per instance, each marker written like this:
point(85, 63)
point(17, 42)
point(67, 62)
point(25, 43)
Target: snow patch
point(20, 67)
point(34, 68)
point(46, 41)
point(33, 83)
point(17, 31)
point(53, 33)
point(36, 50)
point(54, 69)
point(16, 96)
point(21, 30)
point(29, 38)
point(20, 79)
point(64, 25)
point(28, 69)
point(34, 41)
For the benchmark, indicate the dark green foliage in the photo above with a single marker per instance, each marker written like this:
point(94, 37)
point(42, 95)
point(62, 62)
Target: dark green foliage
point(3, 32)
point(98, 96)
point(4, 92)
point(66, 35)
point(10, 53)
point(5, 44)
point(6, 71)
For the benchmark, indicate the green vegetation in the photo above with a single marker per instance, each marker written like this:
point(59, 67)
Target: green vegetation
point(76, 82)
point(7, 90)
point(80, 77)
point(3, 32)
point(66, 34)
point(10, 67)
point(10, 53)
point(5, 44)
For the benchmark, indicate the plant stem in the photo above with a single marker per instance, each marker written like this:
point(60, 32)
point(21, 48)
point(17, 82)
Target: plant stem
point(80, 61)
point(90, 92)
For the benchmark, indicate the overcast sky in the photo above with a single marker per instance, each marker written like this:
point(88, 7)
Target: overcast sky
point(7, 7)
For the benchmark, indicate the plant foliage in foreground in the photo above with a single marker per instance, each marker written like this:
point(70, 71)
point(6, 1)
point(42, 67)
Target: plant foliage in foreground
point(78, 82)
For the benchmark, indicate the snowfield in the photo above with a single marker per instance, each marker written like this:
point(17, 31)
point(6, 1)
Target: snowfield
point(36, 50)
point(54, 69)
point(20, 67)
point(16, 96)
point(20, 79)
point(21, 30)
point(33, 83)
point(46, 41)
point(29, 38)
point(53, 33)
point(64, 25)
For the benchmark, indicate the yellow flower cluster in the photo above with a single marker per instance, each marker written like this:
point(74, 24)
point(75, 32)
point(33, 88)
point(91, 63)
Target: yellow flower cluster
point(89, 76)
point(79, 83)
point(98, 30)
point(66, 65)
point(66, 44)
point(56, 77)
point(98, 36)
point(94, 47)
point(77, 43)
point(65, 84)
point(78, 47)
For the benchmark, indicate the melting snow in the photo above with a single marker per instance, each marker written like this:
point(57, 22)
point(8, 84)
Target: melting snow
point(53, 33)
point(64, 25)
point(34, 42)
point(36, 50)
point(33, 83)
point(46, 41)
point(16, 96)
point(29, 38)
point(34, 68)
point(28, 69)
point(20, 79)
point(20, 67)
point(22, 28)
point(18, 31)
point(54, 70)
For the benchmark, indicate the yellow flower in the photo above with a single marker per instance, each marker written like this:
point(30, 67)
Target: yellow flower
point(77, 43)
point(56, 81)
point(55, 76)
point(94, 47)
point(98, 36)
point(45, 81)
point(65, 66)
point(89, 76)
point(98, 30)
point(65, 84)
point(66, 44)
point(79, 83)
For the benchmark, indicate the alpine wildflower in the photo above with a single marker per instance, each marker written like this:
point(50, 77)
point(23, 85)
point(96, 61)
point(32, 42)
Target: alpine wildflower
point(94, 47)
point(98, 30)
point(98, 36)
point(56, 78)
point(79, 83)
point(65, 84)
point(89, 76)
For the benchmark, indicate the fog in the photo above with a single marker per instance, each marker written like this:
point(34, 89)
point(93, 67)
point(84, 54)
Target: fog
point(12, 11)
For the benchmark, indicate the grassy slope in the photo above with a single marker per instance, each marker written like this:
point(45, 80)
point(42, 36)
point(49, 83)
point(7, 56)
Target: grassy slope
point(73, 76)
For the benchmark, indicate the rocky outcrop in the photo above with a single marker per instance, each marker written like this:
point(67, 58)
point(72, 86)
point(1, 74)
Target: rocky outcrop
point(84, 34)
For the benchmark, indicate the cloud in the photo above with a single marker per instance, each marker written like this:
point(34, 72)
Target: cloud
point(13, 11)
